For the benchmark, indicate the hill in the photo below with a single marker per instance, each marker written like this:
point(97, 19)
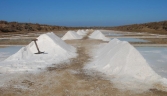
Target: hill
point(153, 27)
point(26, 27)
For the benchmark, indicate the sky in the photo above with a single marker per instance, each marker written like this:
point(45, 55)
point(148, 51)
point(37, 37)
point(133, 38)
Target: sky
point(84, 12)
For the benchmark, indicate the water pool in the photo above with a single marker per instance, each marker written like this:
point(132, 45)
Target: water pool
point(132, 40)
point(7, 51)
point(156, 57)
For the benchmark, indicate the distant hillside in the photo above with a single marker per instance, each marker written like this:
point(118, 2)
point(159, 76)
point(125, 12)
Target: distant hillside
point(153, 27)
point(26, 27)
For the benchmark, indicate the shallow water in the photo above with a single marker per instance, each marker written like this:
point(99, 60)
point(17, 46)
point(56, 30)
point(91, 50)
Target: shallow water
point(156, 57)
point(132, 40)
point(7, 51)
point(112, 34)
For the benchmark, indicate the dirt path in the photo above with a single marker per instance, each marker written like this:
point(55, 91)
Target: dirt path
point(68, 79)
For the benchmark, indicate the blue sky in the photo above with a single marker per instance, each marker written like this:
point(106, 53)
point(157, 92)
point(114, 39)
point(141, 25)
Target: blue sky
point(84, 12)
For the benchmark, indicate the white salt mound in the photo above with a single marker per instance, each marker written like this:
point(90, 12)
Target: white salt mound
point(125, 66)
point(55, 51)
point(98, 35)
point(81, 32)
point(71, 35)
point(87, 30)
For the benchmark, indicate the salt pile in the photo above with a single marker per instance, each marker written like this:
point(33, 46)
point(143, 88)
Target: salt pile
point(71, 35)
point(125, 66)
point(81, 32)
point(98, 35)
point(55, 51)
point(87, 30)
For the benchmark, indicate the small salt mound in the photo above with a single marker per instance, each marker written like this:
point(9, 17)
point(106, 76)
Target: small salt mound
point(98, 35)
point(55, 51)
point(87, 30)
point(81, 32)
point(71, 35)
point(123, 64)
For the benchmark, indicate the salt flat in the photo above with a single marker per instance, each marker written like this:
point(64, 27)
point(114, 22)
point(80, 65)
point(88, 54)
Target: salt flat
point(70, 78)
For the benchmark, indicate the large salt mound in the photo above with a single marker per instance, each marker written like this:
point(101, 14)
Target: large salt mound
point(125, 66)
point(81, 32)
point(71, 35)
point(98, 35)
point(55, 51)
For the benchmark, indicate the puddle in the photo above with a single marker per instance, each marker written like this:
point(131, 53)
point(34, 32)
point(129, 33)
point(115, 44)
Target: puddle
point(132, 40)
point(112, 34)
point(156, 57)
point(7, 51)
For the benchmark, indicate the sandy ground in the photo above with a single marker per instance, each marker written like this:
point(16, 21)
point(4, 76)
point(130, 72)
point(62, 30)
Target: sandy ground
point(68, 79)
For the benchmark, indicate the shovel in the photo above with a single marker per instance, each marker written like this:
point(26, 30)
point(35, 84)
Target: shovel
point(39, 52)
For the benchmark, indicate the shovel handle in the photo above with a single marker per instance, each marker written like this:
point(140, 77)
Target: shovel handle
point(36, 44)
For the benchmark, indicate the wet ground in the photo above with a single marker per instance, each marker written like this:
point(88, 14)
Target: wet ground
point(141, 38)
